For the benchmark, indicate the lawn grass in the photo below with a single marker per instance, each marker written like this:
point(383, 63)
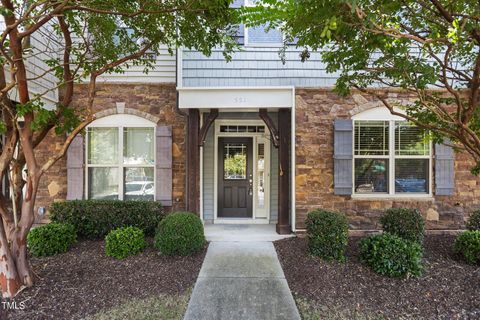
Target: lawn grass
point(164, 307)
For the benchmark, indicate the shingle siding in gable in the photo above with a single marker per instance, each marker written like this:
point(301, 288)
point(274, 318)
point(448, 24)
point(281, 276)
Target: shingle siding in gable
point(254, 66)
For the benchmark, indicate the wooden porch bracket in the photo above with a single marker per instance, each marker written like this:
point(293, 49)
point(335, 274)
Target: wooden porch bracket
point(271, 126)
point(208, 123)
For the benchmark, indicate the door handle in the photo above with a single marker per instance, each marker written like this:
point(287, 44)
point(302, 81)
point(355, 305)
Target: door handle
point(250, 185)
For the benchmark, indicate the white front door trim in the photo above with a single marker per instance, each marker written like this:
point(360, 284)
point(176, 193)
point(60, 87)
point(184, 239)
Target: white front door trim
point(257, 137)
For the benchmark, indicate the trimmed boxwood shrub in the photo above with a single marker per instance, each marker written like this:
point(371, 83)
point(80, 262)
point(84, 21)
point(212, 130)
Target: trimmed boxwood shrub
point(93, 219)
point(180, 233)
point(404, 223)
point(51, 239)
point(391, 255)
point(327, 234)
point(123, 242)
point(467, 245)
point(473, 222)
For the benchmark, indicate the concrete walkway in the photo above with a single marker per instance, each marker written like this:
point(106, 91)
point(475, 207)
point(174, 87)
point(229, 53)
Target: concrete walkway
point(241, 280)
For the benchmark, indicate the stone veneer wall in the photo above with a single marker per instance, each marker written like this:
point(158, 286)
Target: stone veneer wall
point(53, 185)
point(316, 110)
point(158, 100)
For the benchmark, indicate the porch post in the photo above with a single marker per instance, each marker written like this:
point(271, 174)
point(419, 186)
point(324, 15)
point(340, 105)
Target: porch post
point(193, 161)
point(283, 224)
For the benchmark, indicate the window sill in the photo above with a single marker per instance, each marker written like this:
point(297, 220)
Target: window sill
point(389, 197)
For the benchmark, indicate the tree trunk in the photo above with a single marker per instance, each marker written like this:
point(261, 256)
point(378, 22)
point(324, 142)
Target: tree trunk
point(15, 270)
point(10, 281)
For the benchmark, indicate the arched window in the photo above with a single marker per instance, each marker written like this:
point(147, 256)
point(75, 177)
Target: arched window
point(390, 155)
point(120, 158)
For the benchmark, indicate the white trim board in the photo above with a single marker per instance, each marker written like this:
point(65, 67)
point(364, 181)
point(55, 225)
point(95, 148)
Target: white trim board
point(257, 137)
point(245, 98)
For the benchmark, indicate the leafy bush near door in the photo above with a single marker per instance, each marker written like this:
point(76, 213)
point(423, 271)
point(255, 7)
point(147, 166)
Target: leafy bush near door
point(390, 255)
point(473, 222)
point(467, 245)
point(404, 223)
point(180, 233)
point(123, 242)
point(51, 239)
point(327, 234)
point(93, 219)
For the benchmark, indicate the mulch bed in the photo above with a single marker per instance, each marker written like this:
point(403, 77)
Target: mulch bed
point(448, 289)
point(83, 281)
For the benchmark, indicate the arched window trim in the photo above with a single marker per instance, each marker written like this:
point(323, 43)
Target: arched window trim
point(120, 122)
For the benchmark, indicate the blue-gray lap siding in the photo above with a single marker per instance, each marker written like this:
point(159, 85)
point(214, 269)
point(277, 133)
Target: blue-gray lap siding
point(208, 169)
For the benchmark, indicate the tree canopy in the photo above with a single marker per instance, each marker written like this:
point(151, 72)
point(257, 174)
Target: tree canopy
point(428, 48)
point(79, 40)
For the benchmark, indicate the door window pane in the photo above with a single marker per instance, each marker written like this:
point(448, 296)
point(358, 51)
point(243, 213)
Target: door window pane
point(261, 176)
point(371, 138)
point(371, 175)
point(138, 146)
point(138, 184)
point(103, 183)
point(235, 161)
point(102, 145)
point(411, 175)
point(410, 140)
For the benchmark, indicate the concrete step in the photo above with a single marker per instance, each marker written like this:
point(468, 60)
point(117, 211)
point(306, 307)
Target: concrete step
point(242, 232)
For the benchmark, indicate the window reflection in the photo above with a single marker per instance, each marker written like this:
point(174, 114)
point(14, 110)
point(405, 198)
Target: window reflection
point(371, 175)
point(138, 146)
point(261, 176)
point(138, 184)
point(235, 161)
point(411, 175)
point(103, 183)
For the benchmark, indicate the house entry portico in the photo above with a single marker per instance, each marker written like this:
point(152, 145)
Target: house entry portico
point(242, 174)
point(239, 156)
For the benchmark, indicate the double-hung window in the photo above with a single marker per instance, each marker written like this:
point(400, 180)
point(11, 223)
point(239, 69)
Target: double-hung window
point(121, 162)
point(391, 157)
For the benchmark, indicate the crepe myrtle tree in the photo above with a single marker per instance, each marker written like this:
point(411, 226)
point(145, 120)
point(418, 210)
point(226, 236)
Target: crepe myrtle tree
point(428, 48)
point(91, 38)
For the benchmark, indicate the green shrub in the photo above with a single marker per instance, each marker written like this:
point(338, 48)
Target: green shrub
point(404, 223)
point(467, 245)
point(180, 233)
point(327, 234)
point(93, 219)
point(473, 222)
point(51, 239)
point(391, 255)
point(123, 242)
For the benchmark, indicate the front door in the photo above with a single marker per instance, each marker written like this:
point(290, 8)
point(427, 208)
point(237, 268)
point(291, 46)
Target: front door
point(235, 177)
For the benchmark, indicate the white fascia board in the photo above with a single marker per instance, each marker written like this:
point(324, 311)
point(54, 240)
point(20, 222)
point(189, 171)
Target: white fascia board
point(236, 98)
